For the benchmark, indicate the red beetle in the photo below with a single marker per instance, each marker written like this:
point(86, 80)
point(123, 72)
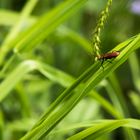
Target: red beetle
point(107, 56)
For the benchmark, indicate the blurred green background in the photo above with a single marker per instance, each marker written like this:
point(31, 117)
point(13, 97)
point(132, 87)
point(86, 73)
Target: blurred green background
point(62, 51)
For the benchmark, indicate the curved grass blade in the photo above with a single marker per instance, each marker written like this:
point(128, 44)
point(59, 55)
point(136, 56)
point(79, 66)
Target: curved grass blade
point(47, 24)
point(50, 119)
point(51, 73)
point(43, 27)
point(16, 29)
point(27, 66)
point(103, 127)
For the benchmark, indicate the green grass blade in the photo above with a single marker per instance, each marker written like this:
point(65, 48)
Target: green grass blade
point(27, 66)
point(44, 26)
point(118, 99)
point(50, 120)
point(16, 29)
point(112, 110)
point(6, 16)
point(51, 73)
point(104, 127)
point(135, 70)
point(48, 23)
point(12, 79)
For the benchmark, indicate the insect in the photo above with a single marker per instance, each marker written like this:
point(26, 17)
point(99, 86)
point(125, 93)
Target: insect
point(107, 56)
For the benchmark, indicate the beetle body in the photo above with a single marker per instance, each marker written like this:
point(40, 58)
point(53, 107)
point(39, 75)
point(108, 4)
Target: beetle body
point(108, 55)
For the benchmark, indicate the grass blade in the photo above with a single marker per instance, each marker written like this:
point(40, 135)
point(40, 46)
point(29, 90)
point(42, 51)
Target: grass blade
point(105, 126)
point(52, 117)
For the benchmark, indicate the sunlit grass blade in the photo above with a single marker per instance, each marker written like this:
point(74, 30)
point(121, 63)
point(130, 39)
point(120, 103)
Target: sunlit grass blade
point(10, 82)
point(28, 66)
point(51, 73)
point(58, 81)
point(104, 127)
point(44, 26)
point(50, 119)
point(48, 23)
point(16, 29)
point(6, 16)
